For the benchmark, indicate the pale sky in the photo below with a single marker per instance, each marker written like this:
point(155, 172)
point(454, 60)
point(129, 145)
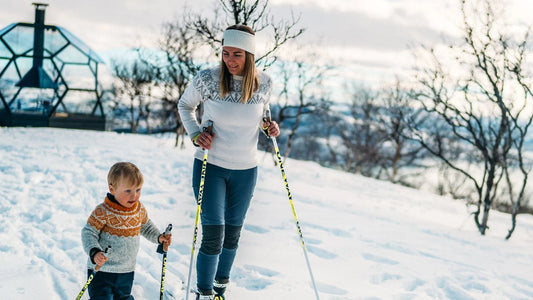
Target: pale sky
point(372, 36)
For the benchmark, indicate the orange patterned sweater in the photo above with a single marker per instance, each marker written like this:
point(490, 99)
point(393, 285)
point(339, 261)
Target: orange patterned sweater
point(119, 227)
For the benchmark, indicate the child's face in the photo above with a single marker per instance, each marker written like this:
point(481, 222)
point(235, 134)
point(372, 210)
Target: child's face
point(125, 193)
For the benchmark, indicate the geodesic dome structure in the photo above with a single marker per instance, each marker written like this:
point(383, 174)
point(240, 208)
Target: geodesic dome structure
point(48, 77)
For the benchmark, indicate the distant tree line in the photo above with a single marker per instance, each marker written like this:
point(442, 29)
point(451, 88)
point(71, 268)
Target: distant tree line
point(466, 111)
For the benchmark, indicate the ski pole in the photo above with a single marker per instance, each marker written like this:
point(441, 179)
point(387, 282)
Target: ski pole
point(280, 162)
point(163, 248)
point(208, 129)
point(106, 253)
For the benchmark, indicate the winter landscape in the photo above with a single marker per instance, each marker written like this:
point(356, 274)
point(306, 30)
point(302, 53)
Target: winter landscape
point(366, 239)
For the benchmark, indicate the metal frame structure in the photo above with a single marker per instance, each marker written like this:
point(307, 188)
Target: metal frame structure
point(47, 59)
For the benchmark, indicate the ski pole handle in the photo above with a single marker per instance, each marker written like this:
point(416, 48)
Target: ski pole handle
point(267, 118)
point(106, 254)
point(163, 248)
point(209, 127)
point(169, 228)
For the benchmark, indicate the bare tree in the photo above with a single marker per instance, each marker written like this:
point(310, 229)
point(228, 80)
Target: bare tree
point(453, 184)
point(135, 83)
point(302, 88)
point(328, 122)
point(481, 103)
point(521, 120)
point(399, 152)
point(253, 13)
point(174, 67)
point(361, 135)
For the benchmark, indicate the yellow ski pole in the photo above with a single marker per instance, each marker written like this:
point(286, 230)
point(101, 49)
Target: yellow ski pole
point(208, 129)
point(106, 251)
point(163, 249)
point(280, 162)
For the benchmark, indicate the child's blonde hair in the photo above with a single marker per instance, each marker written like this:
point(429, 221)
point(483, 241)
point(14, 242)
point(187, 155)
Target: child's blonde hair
point(124, 171)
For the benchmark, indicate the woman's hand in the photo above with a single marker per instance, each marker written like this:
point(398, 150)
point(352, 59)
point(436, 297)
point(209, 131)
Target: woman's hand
point(271, 128)
point(204, 140)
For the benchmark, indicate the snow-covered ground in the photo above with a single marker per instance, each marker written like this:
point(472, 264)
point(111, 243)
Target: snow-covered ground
point(366, 239)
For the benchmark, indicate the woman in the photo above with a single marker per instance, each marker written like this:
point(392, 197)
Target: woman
point(235, 96)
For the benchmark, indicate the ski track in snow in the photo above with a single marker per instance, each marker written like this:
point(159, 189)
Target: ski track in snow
point(366, 239)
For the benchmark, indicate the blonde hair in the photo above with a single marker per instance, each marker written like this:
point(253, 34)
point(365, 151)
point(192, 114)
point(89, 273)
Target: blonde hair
point(250, 81)
point(124, 171)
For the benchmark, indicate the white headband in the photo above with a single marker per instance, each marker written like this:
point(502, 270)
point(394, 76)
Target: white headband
point(239, 39)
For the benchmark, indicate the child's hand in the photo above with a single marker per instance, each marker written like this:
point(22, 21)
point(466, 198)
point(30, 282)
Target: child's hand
point(165, 239)
point(100, 258)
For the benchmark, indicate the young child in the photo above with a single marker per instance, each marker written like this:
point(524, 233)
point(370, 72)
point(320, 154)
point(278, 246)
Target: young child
point(118, 222)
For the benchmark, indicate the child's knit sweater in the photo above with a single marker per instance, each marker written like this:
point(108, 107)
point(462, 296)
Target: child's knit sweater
point(119, 227)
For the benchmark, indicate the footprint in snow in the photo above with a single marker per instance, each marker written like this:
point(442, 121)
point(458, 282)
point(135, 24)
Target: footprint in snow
point(263, 271)
point(253, 277)
point(255, 229)
point(331, 289)
point(321, 252)
point(334, 231)
point(413, 284)
point(379, 259)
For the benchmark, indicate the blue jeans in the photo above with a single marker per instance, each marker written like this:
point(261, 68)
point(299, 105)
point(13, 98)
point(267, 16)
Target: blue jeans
point(225, 201)
point(110, 286)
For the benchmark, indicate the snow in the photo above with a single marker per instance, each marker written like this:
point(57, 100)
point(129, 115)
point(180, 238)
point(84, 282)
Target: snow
point(366, 239)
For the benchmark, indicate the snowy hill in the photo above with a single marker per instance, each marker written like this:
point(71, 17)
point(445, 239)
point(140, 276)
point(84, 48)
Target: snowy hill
point(366, 239)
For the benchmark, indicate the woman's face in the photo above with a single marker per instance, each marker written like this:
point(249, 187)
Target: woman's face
point(234, 58)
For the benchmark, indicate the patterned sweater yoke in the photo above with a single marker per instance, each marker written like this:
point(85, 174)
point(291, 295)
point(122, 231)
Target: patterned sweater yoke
point(236, 124)
point(114, 219)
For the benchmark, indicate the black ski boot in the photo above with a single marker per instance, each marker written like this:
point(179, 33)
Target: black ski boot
point(205, 295)
point(220, 286)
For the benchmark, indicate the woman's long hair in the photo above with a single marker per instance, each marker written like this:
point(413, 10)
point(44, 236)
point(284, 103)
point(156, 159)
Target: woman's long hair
point(250, 81)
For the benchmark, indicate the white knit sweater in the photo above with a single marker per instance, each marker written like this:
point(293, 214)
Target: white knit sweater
point(236, 124)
